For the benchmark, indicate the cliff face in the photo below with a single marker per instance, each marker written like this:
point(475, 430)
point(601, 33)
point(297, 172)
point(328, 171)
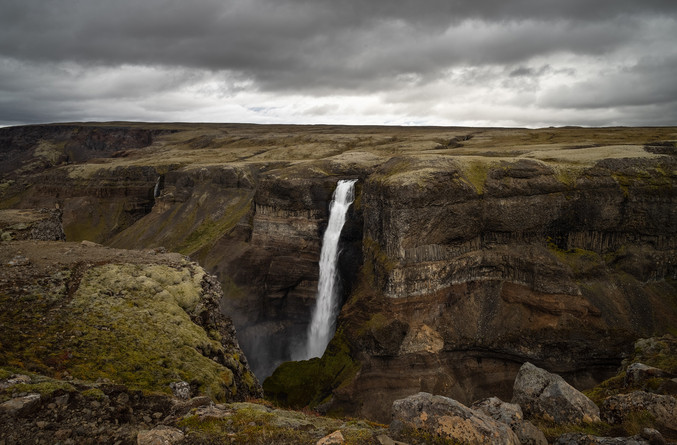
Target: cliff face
point(459, 261)
point(463, 287)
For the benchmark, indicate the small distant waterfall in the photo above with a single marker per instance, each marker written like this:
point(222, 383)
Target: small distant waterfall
point(156, 191)
point(323, 322)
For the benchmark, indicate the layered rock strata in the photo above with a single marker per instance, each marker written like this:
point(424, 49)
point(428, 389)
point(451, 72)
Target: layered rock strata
point(461, 261)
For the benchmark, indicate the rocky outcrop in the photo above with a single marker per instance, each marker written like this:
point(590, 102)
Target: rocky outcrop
point(638, 374)
point(43, 225)
point(547, 395)
point(662, 408)
point(446, 419)
point(143, 319)
point(83, 412)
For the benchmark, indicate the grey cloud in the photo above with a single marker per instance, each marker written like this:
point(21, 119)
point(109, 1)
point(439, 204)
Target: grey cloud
point(649, 82)
point(324, 47)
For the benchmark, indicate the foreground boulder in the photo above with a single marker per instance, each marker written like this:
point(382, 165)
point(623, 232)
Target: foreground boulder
point(441, 417)
point(547, 395)
point(511, 414)
point(638, 374)
point(663, 408)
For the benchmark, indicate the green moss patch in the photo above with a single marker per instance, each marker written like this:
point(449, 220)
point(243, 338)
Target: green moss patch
point(580, 261)
point(257, 424)
point(311, 382)
point(209, 230)
point(135, 328)
point(130, 323)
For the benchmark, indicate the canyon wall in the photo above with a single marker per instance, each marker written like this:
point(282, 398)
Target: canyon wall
point(458, 266)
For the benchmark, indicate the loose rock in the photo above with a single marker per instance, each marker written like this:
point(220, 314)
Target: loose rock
point(547, 395)
point(21, 406)
point(160, 435)
point(511, 414)
point(332, 439)
point(663, 408)
point(181, 389)
point(639, 373)
point(447, 418)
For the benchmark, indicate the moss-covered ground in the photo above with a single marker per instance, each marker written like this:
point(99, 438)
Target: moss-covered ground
point(309, 383)
point(256, 423)
point(129, 323)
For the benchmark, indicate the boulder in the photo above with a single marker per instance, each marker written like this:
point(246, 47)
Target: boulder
point(160, 435)
point(387, 440)
point(448, 419)
point(21, 406)
point(541, 393)
point(663, 408)
point(334, 438)
point(181, 389)
point(511, 414)
point(638, 373)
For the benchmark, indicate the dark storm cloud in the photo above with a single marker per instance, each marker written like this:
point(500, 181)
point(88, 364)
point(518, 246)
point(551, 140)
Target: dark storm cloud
point(325, 47)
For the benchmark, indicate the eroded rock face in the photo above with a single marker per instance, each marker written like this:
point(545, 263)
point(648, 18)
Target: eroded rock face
point(43, 225)
point(448, 419)
point(548, 396)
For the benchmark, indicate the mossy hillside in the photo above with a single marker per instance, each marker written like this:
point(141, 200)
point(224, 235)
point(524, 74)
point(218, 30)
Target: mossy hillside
point(311, 382)
point(33, 323)
point(135, 327)
point(95, 224)
point(476, 171)
point(190, 226)
point(130, 323)
point(209, 229)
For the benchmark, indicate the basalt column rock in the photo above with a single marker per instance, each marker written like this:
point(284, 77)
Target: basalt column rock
point(468, 273)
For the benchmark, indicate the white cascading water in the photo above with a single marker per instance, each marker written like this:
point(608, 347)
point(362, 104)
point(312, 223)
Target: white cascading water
point(323, 322)
point(156, 190)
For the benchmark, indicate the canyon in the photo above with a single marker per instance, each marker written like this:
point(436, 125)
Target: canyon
point(466, 253)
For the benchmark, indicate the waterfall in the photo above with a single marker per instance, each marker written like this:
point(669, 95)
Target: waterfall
point(156, 191)
point(323, 322)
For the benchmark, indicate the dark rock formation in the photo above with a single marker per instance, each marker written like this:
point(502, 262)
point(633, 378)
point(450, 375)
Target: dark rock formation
point(32, 148)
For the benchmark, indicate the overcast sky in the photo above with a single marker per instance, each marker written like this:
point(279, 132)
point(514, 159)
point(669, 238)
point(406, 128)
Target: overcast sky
point(403, 62)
